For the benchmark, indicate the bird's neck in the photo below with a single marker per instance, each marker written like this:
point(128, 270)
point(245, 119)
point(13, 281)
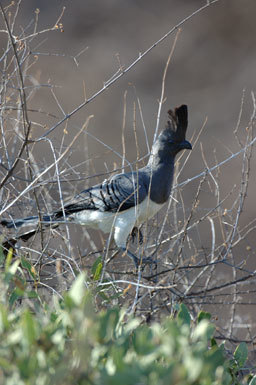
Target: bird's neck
point(162, 171)
point(160, 158)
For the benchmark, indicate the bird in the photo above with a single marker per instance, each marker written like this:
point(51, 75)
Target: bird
point(124, 201)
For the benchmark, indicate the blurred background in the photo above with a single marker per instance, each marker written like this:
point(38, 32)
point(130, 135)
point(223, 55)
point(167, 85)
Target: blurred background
point(212, 70)
point(212, 66)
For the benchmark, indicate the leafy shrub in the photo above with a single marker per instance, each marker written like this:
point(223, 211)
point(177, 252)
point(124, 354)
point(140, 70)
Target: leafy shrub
point(70, 343)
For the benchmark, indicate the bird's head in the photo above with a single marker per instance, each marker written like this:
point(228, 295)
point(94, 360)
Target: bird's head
point(173, 137)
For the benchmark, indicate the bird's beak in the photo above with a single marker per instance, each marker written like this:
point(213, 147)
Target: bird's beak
point(185, 145)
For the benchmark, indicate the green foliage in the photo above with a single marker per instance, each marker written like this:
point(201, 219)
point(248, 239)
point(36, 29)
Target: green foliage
point(237, 363)
point(69, 343)
point(203, 315)
point(253, 380)
point(241, 354)
point(97, 268)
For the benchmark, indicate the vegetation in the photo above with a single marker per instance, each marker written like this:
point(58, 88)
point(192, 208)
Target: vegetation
point(68, 342)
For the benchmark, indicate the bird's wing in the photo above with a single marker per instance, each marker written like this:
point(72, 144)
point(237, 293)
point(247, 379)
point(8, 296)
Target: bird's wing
point(127, 190)
point(118, 193)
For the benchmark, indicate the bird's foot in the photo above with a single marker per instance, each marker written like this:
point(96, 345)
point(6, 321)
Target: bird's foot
point(148, 261)
point(142, 262)
point(136, 232)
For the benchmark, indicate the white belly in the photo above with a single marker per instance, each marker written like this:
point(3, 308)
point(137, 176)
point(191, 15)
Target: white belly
point(146, 210)
point(128, 218)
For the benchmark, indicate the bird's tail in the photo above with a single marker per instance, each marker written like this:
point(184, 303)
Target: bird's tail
point(24, 222)
point(32, 221)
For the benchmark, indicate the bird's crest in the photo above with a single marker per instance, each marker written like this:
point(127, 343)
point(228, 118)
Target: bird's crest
point(177, 123)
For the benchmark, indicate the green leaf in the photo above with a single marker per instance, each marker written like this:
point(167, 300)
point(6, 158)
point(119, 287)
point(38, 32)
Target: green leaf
point(253, 381)
point(108, 324)
point(5, 364)
point(194, 367)
point(32, 294)
point(4, 323)
point(203, 315)
point(76, 292)
point(98, 270)
point(204, 330)
point(28, 327)
point(8, 259)
point(16, 294)
point(241, 354)
point(13, 268)
point(142, 341)
point(2, 256)
point(184, 315)
point(28, 266)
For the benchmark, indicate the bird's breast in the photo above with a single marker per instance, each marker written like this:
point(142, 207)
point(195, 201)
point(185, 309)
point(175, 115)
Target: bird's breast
point(146, 210)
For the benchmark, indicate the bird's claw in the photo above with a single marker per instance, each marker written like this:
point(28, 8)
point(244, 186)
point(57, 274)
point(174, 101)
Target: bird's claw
point(140, 262)
point(136, 232)
point(146, 261)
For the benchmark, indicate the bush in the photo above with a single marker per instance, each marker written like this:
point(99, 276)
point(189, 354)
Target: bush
point(70, 343)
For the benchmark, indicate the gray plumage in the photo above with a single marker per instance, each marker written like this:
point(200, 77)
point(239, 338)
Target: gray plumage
point(125, 200)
